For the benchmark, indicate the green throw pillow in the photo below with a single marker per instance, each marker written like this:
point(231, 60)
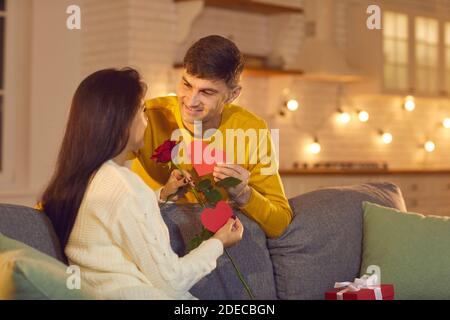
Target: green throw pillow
point(412, 251)
point(27, 274)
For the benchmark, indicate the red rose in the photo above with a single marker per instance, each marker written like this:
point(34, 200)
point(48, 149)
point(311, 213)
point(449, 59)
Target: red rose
point(163, 153)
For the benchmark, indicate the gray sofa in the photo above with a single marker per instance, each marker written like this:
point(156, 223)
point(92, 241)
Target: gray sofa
point(321, 246)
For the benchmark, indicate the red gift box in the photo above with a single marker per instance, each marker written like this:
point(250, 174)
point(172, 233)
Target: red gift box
point(387, 293)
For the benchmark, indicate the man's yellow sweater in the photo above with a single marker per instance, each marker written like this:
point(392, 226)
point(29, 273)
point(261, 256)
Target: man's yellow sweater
point(267, 206)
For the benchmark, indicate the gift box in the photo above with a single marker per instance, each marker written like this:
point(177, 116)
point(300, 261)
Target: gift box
point(364, 288)
point(386, 290)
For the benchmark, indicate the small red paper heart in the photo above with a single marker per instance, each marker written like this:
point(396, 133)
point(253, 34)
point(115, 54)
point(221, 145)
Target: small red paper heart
point(214, 219)
point(197, 155)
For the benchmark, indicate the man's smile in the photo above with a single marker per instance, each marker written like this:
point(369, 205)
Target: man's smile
point(192, 111)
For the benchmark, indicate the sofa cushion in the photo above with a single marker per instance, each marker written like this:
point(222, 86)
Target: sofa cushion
point(27, 274)
point(250, 254)
point(323, 243)
point(31, 227)
point(411, 250)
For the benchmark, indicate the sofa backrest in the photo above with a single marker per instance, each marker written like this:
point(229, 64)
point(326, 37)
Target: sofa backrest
point(323, 244)
point(31, 227)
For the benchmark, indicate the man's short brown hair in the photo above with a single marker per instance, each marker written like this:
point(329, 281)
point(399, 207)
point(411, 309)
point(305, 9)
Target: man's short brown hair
point(215, 57)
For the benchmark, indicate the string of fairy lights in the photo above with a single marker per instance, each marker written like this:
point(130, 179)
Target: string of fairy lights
point(345, 117)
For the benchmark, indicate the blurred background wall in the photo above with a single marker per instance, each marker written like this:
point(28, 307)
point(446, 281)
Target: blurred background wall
point(319, 53)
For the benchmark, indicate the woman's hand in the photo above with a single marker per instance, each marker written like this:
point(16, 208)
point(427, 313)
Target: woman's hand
point(175, 182)
point(230, 233)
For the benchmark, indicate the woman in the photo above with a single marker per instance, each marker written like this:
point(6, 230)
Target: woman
point(106, 217)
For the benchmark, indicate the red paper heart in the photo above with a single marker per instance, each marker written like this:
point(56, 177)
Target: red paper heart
point(214, 219)
point(201, 166)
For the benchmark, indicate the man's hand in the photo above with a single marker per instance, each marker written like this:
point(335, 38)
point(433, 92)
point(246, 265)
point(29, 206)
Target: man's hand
point(241, 193)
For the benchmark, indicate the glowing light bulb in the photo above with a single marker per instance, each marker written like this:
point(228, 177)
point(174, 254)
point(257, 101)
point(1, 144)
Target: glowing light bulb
point(409, 103)
point(387, 137)
point(446, 123)
point(315, 147)
point(344, 117)
point(363, 116)
point(292, 104)
point(429, 146)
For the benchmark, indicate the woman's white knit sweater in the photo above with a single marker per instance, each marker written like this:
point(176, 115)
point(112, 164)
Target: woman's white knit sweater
point(121, 243)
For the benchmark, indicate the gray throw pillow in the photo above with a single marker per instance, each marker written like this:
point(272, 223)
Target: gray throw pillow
point(323, 244)
point(250, 255)
point(31, 227)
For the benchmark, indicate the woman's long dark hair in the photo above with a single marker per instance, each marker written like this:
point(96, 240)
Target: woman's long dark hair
point(101, 114)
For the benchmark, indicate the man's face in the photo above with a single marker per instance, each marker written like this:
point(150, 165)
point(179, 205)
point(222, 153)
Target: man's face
point(202, 99)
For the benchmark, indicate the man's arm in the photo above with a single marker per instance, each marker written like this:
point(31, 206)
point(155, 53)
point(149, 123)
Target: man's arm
point(261, 194)
point(267, 204)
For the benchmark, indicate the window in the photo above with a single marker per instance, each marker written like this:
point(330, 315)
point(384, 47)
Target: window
point(2, 55)
point(427, 55)
point(447, 58)
point(395, 50)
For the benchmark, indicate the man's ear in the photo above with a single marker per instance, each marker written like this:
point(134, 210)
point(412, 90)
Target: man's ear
point(235, 93)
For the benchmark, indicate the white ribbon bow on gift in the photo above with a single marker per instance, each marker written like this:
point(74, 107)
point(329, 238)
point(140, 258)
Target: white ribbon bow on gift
point(365, 282)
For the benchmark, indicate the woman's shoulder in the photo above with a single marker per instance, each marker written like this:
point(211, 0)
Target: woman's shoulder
point(116, 192)
point(113, 182)
point(112, 175)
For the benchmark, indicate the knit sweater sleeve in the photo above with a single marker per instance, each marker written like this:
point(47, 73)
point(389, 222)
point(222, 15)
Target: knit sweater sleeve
point(140, 231)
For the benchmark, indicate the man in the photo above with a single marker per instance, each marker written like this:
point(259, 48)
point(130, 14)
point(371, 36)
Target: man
point(208, 86)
